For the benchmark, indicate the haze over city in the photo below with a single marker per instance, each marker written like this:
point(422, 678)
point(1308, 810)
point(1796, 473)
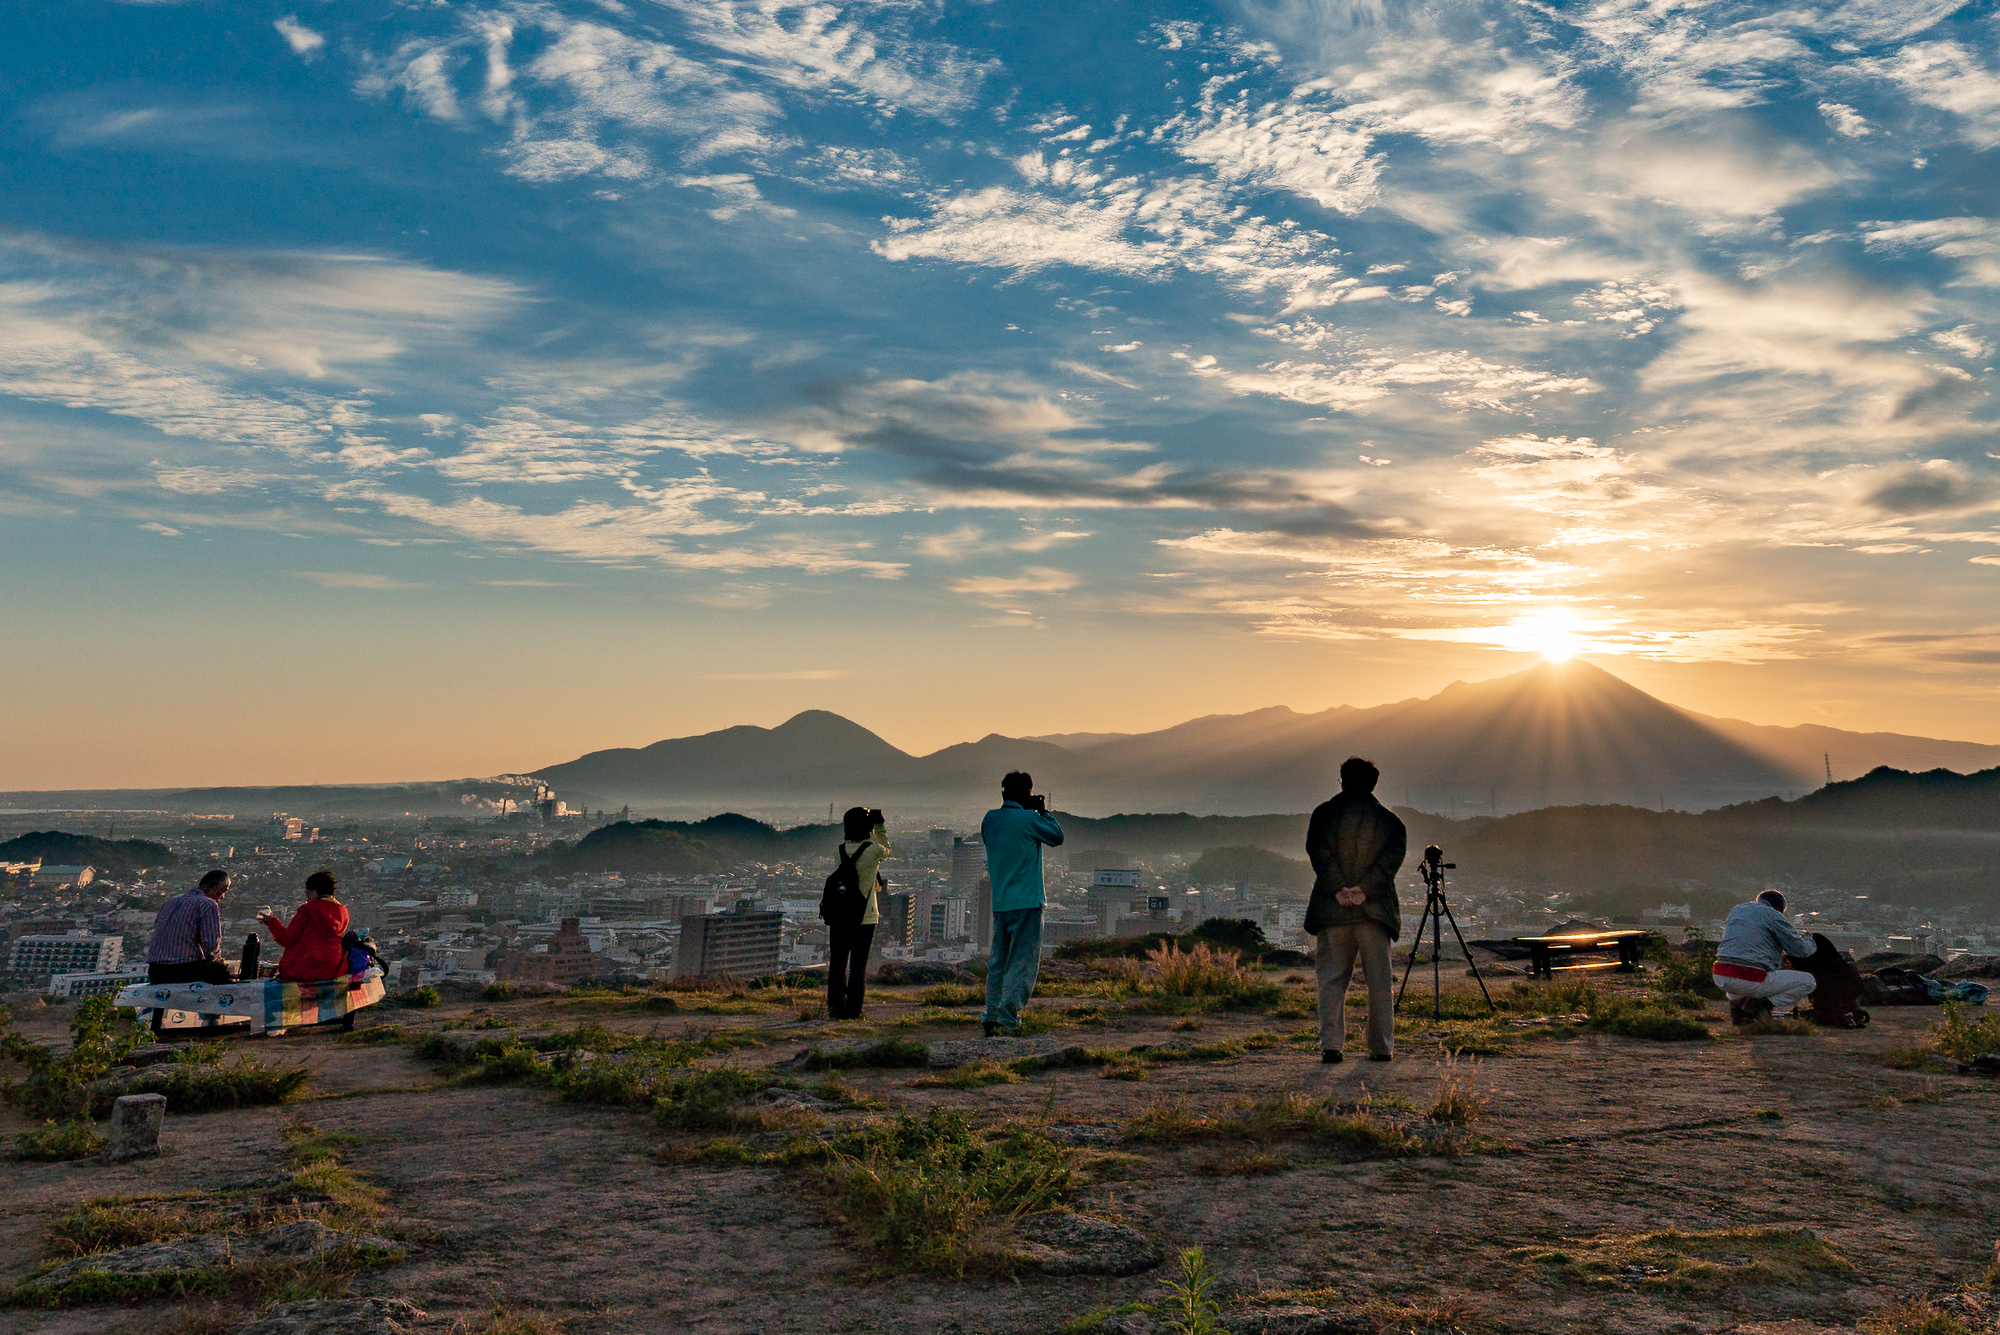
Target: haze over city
point(470, 387)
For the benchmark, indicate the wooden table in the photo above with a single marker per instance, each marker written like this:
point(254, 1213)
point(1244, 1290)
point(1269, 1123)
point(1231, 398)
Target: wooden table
point(1542, 950)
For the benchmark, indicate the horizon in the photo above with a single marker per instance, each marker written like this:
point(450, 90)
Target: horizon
point(391, 390)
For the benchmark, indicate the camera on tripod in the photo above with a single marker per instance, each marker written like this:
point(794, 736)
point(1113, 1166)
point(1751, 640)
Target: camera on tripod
point(1437, 912)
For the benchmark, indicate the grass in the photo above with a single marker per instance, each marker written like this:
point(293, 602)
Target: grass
point(206, 1076)
point(1690, 1262)
point(58, 1085)
point(1192, 1308)
point(1459, 1101)
point(889, 1052)
point(946, 995)
point(1199, 977)
point(58, 1142)
point(1770, 1026)
point(1913, 1318)
point(932, 1193)
point(316, 1163)
point(499, 990)
point(973, 1075)
point(420, 998)
point(1367, 1129)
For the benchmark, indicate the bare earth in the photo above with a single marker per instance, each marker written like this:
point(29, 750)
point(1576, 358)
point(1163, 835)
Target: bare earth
point(518, 1200)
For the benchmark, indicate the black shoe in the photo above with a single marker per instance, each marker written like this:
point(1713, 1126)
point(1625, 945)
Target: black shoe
point(989, 1029)
point(1380, 1057)
point(1330, 1055)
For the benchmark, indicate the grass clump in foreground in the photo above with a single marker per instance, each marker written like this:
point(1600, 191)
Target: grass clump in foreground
point(1700, 1262)
point(58, 1086)
point(1192, 1308)
point(1201, 977)
point(1368, 1129)
point(421, 998)
point(934, 1193)
point(1958, 1035)
point(890, 1053)
point(1914, 1318)
point(58, 1142)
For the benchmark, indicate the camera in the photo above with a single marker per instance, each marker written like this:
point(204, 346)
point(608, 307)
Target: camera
point(1434, 859)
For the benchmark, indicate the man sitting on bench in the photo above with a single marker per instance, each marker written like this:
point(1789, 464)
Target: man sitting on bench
point(1749, 964)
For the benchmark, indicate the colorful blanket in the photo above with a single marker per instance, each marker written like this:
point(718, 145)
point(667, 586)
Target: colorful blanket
point(265, 1002)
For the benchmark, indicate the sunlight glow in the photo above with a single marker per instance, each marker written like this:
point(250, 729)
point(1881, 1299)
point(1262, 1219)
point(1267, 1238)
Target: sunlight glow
point(1552, 633)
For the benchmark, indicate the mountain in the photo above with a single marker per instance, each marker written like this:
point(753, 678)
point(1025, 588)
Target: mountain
point(58, 849)
point(1555, 735)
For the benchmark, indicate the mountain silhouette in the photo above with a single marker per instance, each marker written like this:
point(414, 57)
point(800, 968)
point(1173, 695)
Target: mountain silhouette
point(1558, 734)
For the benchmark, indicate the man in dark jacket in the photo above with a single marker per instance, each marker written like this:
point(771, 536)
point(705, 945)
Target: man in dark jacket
point(1356, 845)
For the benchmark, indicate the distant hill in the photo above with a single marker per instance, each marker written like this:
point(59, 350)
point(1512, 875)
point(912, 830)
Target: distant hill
point(86, 850)
point(1555, 735)
point(691, 848)
point(1249, 864)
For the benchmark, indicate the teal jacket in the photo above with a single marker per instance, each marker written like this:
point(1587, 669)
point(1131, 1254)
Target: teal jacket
point(1014, 836)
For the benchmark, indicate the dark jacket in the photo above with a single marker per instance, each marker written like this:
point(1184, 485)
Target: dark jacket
point(1355, 840)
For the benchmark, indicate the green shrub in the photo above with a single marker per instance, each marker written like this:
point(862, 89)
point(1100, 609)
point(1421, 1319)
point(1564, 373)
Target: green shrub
point(206, 1076)
point(499, 990)
point(1193, 1309)
point(705, 1101)
point(420, 998)
point(1961, 1034)
point(890, 1052)
point(57, 1087)
point(924, 1190)
point(58, 1142)
point(1689, 972)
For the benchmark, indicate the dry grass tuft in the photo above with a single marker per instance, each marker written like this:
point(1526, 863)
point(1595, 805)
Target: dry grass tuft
point(1913, 1318)
point(1700, 1262)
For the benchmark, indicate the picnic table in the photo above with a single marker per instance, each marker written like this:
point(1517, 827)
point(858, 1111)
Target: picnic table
point(1542, 950)
point(266, 1004)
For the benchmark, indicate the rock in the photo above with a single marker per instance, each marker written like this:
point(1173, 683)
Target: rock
point(305, 1240)
point(152, 1054)
point(462, 1043)
point(1972, 966)
point(1077, 1244)
point(1085, 1137)
point(1987, 1063)
point(964, 1051)
point(1295, 1321)
point(134, 1133)
point(790, 1098)
point(339, 1316)
point(1889, 959)
point(1132, 1323)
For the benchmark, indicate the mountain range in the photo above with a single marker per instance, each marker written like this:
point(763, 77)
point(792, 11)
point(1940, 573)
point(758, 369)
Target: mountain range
point(1558, 734)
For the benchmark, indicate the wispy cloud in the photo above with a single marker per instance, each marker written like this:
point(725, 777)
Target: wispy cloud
point(341, 579)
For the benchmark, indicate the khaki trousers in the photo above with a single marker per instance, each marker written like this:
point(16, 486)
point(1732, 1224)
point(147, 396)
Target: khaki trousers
point(1339, 947)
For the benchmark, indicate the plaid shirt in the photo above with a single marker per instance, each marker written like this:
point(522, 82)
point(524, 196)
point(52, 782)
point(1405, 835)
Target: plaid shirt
point(189, 928)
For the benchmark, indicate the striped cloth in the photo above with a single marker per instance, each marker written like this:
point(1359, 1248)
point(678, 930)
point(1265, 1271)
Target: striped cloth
point(189, 928)
point(266, 1002)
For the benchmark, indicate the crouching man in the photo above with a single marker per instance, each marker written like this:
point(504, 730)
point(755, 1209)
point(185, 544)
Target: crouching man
point(1749, 964)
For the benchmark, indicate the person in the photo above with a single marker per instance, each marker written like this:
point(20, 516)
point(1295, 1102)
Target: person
point(1014, 834)
point(187, 936)
point(1356, 846)
point(866, 841)
point(313, 951)
point(1749, 964)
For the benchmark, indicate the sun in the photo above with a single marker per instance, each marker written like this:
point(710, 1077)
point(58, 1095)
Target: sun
point(1552, 634)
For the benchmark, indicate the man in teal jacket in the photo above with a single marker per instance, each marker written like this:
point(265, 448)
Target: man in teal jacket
point(1014, 833)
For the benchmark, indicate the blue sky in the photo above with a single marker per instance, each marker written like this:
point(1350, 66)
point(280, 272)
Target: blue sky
point(468, 384)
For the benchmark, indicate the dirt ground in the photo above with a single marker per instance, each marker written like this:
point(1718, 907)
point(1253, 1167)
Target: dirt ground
point(521, 1201)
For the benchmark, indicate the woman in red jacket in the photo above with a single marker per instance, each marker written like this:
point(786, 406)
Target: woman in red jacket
point(313, 952)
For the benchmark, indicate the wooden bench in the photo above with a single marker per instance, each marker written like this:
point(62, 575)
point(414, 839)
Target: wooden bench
point(1542, 950)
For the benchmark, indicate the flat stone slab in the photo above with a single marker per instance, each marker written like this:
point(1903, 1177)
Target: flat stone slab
point(151, 1054)
point(1078, 1244)
point(340, 1316)
point(1295, 1321)
point(965, 1051)
point(304, 1240)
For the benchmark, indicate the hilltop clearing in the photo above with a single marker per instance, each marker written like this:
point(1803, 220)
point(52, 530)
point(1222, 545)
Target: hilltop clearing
point(727, 1162)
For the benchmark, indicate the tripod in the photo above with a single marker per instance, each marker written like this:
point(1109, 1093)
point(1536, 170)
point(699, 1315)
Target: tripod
point(1437, 912)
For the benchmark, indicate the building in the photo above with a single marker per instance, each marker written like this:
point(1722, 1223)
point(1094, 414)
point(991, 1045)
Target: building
point(458, 899)
point(565, 960)
point(940, 839)
point(968, 864)
point(899, 919)
point(50, 873)
point(737, 944)
point(943, 918)
point(982, 914)
point(95, 984)
point(74, 952)
point(399, 914)
point(290, 829)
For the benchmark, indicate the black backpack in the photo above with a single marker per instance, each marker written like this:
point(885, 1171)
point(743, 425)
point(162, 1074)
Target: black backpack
point(841, 904)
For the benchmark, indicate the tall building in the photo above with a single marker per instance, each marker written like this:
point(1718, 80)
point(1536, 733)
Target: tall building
point(940, 839)
point(968, 864)
point(982, 913)
point(74, 953)
point(96, 984)
point(738, 944)
point(899, 919)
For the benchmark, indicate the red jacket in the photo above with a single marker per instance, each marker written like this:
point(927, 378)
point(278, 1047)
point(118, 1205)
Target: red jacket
point(312, 942)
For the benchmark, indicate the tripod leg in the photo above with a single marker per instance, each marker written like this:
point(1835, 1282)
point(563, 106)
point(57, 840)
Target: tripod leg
point(1471, 962)
point(1437, 960)
point(1415, 942)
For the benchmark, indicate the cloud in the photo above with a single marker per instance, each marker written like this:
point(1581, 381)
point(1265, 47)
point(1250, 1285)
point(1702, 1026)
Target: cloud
point(305, 43)
point(338, 579)
point(1933, 487)
point(808, 674)
point(1032, 579)
point(1948, 76)
point(1845, 120)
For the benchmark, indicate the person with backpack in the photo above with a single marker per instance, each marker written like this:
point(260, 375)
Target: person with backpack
point(851, 910)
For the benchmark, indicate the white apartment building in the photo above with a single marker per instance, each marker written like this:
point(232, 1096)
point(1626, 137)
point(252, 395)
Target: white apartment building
point(75, 985)
point(76, 952)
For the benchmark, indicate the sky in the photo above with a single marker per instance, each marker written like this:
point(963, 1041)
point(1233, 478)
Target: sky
point(423, 389)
